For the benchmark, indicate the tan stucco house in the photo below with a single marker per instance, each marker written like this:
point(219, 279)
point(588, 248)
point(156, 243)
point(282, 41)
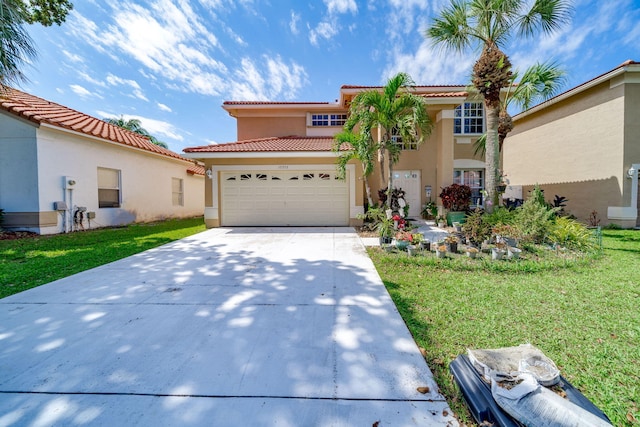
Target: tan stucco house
point(281, 170)
point(583, 144)
point(62, 170)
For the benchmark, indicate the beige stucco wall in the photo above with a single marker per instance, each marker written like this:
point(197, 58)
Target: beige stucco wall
point(262, 127)
point(574, 148)
point(146, 190)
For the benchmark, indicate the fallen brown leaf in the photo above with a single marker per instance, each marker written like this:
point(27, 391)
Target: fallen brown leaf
point(423, 352)
point(423, 390)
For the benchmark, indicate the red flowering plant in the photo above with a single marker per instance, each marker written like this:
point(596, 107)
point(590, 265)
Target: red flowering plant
point(404, 236)
point(456, 197)
point(401, 222)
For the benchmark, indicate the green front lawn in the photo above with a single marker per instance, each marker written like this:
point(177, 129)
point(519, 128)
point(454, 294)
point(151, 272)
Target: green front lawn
point(584, 315)
point(30, 262)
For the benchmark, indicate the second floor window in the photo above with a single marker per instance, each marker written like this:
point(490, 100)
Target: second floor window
point(468, 118)
point(404, 145)
point(328, 119)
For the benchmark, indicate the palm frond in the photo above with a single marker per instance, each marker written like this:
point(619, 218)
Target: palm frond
point(451, 30)
point(539, 82)
point(545, 16)
point(16, 46)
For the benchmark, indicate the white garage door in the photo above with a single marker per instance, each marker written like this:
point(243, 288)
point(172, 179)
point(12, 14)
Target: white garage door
point(284, 198)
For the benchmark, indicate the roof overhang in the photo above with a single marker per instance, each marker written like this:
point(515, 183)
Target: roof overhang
point(260, 154)
point(616, 76)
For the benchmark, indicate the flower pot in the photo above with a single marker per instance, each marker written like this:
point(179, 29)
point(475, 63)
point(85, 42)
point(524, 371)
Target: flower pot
point(455, 217)
point(384, 240)
point(402, 244)
point(441, 254)
point(513, 253)
point(412, 250)
point(425, 245)
point(472, 254)
point(496, 254)
point(452, 247)
point(501, 188)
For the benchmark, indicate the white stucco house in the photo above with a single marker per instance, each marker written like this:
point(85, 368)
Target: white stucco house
point(63, 170)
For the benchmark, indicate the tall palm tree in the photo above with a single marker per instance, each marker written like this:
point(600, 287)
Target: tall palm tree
point(538, 83)
point(490, 24)
point(394, 111)
point(361, 147)
point(135, 125)
point(16, 47)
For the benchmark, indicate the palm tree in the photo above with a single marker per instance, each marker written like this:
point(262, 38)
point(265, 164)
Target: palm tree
point(135, 125)
point(490, 24)
point(16, 47)
point(538, 83)
point(362, 148)
point(394, 111)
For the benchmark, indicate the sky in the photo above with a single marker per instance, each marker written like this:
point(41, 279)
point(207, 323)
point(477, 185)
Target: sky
point(172, 63)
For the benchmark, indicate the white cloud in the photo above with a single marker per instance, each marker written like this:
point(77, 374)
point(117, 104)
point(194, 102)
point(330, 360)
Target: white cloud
point(176, 49)
point(157, 128)
point(83, 92)
point(429, 66)
point(325, 30)
point(293, 23)
point(86, 77)
point(73, 57)
point(278, 79)
point(164, 107)
point(341, 6)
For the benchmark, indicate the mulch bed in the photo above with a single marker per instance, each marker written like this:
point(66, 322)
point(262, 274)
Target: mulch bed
point(15, 235)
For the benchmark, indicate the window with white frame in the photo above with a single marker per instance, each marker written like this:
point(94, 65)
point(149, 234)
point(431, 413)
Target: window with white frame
point(109, 187)
point(319, 120)
point(177, 192)
point(474, 178)
point(468, 118)
point(404, 145)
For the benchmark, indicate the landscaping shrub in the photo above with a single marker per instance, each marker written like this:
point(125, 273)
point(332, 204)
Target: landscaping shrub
point(456, 197)
point(1, 217)
point(570, 233)
point(476, 228)
point(534, 218)
point(501, 215)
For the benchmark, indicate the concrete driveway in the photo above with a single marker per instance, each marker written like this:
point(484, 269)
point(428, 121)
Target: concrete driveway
point(230, 327)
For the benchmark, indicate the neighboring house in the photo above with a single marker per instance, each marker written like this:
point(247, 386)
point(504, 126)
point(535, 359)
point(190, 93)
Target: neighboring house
point(583, 145)
point(282, 172)
point(59, 166)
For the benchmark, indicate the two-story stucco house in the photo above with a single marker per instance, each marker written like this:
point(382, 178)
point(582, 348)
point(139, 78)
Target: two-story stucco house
point(584, 144)
point(62, 170)
point(282, 171)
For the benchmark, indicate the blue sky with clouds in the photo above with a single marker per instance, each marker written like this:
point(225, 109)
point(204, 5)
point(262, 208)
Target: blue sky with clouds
point(171, 63)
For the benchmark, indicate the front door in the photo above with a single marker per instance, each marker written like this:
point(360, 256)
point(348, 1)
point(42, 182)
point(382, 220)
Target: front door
point(409, 181)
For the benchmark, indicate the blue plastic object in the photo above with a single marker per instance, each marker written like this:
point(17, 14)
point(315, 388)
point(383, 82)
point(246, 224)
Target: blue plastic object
point(477, 394)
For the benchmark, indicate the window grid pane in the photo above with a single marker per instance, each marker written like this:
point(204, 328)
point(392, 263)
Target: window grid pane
point(108, 188)
point(468, 118)
point(177, 195)
point(473, 179)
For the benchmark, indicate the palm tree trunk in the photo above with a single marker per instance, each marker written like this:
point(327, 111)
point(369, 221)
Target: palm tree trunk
point(382, 168)
point(389, 179)
point(368, 191)
point(492, 157)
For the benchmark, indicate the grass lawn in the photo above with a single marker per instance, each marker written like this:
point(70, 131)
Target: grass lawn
point(584, 315)
point(30, 262)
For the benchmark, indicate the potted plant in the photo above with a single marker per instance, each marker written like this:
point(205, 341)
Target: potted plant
point(513, 252)
point(475, 229)
point(384, 227)
point(441, 221)
point(451, 243)
point(507, 233)
point(471, 252)
point(498, 251)
point(403, 240)
point(502, 182)
point(430, 210)
point(456, 199)
point(441, 251)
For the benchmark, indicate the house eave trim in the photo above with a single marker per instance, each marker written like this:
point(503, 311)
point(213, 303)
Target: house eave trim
point(261, 155)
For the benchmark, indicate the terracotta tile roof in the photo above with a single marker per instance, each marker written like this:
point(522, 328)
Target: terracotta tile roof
point(445, 95)
point(271, 144)
point(196, 169)
point(272, 103)
point(380, 87)
point(40, 111)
